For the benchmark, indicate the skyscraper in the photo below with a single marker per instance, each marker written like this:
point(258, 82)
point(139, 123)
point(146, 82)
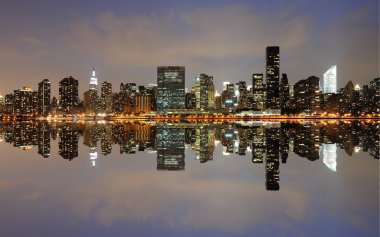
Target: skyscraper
point(44, 89)
point(25, 101)
point(68, 94)
point(258, 91)
point(170, 148)
point(204, 92)
point(273, 77)
point(284, 93)
point(330, 80)
point(106, 97)
point(93, 92)
point(170, 88)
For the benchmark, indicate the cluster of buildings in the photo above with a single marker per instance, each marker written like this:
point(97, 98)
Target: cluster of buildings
point(310, 96)
point(267, 144)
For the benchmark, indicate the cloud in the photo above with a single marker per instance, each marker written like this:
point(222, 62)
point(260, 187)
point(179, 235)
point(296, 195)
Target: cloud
point(178, 199)
point(31, 40)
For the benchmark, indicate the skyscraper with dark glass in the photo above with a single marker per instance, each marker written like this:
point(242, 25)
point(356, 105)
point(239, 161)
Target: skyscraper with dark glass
point(170, 88)
point(170, 148)
point(44, 89)
point(68, 94)
point(273, 77)
point(258, 92)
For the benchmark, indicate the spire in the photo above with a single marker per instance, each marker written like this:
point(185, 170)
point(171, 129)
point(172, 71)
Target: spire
point(93, 80)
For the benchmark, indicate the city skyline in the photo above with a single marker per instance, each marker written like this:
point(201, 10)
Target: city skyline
point(118, 40)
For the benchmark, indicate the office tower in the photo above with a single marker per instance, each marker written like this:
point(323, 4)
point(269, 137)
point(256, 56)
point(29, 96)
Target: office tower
point(151, 90)
point(170, 148)
point(68, 94)
point(106, 97)
point(92, 95)
point(273, 78)
point(204, 92)
point(1, 104)
point(330, 80)
point(142, 103)
point(284, 93)
point(130, 90)
point(25, 101)
point(44, 88)
point(258, 91)
point(241, 94)
point(307, 96)
point(170, 88)
point(228, 96)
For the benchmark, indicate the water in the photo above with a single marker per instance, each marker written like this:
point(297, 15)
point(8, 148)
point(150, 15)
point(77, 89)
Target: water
point(140, 179)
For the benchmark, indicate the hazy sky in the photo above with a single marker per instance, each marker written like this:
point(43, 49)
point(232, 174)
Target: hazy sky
point(126, 40)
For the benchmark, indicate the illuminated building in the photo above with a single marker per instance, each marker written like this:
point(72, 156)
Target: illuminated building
point(307, 96)
point(190, 100)
point(25, 101)
point(258, 145)
point(106, 97)
point(284, 93)
point(330, 80)
point(44, 89)
point(170, 148)
point(204, 92)
point(170, 88)
point(9, 101)
point(68, 94)
point(273, 78)
point(258, 91)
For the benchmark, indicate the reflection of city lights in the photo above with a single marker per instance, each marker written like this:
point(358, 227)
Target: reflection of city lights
point(329, 156)
point(357, 149)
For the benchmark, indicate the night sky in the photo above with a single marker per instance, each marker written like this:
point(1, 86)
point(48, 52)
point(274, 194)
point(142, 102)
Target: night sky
point(126, 40)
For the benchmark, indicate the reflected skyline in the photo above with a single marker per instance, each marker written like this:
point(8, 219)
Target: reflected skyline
point(267, 144)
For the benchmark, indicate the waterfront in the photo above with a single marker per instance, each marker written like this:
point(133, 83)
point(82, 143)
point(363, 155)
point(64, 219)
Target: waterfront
point(205, 179)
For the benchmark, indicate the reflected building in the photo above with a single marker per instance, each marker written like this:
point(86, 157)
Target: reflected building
point(328, 152)
point(170, 148)
point(272, 164)
point(68, 142)
point(258, 144)
point(44, 139)
point(204, 144)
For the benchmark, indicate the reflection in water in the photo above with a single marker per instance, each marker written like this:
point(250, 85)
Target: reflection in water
point(268, 143)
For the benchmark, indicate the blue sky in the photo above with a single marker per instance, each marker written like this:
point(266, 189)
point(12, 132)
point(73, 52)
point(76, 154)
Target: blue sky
point(126, 40)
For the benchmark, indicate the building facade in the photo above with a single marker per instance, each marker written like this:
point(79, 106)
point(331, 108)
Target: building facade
point(170, 88)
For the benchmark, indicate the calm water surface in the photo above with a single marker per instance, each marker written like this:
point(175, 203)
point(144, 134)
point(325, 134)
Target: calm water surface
point(139, 179)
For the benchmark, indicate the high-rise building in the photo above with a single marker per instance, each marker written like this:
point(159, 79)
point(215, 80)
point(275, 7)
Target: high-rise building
point(258, 91)
point(9, 101)
point(93, 92)
point(284, 93)
point(25, 101)
point(44, 89)
point(272, 166)
point(106, 97)
point(170, 88)
point(273, 77)
point(204, 92)
point(68, 94)
point(307, 95)
point(330, 80)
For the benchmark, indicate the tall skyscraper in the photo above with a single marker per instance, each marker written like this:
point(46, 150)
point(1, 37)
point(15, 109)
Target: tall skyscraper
point(284, 93)
point(307, 96)
point(204, 92)
point(93, 92)
point(170, 88)
point(273, 77)
point(44, 89)
point(106, 97)
point(330, 80)
point(68, 94)
point(258, 91)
